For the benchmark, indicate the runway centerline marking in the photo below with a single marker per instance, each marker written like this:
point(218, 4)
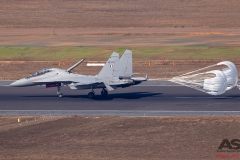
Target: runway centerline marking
point(154, 111)
point(206, 97)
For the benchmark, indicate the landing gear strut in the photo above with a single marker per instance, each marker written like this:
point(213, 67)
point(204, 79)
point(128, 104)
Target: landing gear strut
point(104, 93)
point(60, 95)
point(91, 94)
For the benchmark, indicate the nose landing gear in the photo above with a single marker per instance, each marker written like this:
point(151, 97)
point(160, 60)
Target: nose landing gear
point(60, 95)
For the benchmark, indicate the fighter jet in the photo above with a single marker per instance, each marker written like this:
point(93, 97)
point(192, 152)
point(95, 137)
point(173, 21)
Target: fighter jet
point(115, 73)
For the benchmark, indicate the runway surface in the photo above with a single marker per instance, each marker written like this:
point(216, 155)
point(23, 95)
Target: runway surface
point(152, 98)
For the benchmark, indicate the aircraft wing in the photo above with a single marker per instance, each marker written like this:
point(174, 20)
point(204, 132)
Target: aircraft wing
point(109, 84)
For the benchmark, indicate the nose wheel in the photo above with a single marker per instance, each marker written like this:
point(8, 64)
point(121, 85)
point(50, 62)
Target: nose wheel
point(60, 95)
point(104, 93)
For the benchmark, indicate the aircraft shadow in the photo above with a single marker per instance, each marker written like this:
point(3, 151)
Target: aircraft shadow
point(134, 95)
point(235, 96)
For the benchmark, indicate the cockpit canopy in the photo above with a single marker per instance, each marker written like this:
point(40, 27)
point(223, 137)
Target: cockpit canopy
point(41, 72)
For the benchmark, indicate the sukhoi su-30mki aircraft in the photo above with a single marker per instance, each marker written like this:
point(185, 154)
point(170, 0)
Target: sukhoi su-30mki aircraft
point(115, 73)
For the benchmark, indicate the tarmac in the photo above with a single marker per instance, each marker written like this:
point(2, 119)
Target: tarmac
point(152, 98)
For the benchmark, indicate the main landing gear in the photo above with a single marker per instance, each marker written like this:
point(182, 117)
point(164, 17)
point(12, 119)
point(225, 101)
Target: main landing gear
point(91, 94)
point(104, 93)
point(60, 95)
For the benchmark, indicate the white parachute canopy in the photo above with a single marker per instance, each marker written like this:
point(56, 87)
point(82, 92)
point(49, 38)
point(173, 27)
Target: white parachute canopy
point(214, 82)
point(216, 85)
point(231, 74)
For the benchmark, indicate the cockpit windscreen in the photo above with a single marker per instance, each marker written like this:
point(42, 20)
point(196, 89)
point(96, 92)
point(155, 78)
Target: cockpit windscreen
point(41, 72)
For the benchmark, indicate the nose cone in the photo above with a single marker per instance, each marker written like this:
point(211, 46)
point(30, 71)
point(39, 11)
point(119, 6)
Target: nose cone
point(20, 83)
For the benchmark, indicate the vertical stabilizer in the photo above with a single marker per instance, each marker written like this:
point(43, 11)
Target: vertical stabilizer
point(111, 68)
point(126, 65)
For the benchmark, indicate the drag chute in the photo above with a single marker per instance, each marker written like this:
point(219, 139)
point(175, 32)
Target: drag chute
point(216, 85)
point(212, 82)
point(214, 79)
point(231, 74)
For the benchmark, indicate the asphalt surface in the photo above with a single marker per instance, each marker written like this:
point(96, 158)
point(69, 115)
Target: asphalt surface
point(152, 98)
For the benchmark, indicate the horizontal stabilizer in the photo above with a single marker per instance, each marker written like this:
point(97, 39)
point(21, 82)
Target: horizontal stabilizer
point(75, 65)
point(140, 79)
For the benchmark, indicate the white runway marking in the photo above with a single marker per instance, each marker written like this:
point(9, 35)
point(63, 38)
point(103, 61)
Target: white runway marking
point(201, 111)
point(207, 97)
point(156, 111)
point(157, 85)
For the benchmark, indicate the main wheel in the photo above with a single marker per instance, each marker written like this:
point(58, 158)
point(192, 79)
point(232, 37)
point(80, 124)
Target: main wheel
point(104, 93)
point(91, 95)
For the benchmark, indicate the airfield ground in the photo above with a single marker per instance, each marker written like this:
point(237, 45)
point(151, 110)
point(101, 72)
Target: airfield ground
point(75, 137)
point(154, 30)
point(162, 29)
point(119, 14)
point(12, 70)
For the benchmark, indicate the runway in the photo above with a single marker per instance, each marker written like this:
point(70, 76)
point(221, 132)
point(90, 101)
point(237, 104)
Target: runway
point(152, 98)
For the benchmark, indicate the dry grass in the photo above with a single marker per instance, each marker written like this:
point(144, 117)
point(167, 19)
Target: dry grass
point(125, 13)
point(118, 138)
